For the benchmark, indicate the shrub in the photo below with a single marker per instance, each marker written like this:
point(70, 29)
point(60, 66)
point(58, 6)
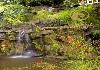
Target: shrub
point(81, 65)
point(79, 49)
point(14, 14)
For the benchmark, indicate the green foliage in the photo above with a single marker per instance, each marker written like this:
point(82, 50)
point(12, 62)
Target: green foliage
point(34, 2)
point(54, 48)
point(66, 15)
point(69, 2)
point(81, 65)
point(96, 32)
point(14, 14)
point(41, 15)
point(79, 49)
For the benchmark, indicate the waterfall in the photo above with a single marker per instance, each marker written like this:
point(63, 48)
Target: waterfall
point(24, 45)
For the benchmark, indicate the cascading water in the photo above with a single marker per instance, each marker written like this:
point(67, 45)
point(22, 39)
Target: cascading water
point(24, 46)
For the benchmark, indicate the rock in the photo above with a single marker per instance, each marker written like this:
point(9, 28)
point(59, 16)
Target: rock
point(46, 32)
point(60, 52)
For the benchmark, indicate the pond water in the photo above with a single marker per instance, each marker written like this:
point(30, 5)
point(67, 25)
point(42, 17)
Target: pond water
point(14, 64)
point(44, 63)
point(36, 63)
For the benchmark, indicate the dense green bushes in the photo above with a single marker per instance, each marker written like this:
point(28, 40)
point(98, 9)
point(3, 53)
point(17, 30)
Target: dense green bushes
point(42, 2)
point(35, 2)
point(21, 13)
point(81, 65)
point(14, 14)
point(66, 15)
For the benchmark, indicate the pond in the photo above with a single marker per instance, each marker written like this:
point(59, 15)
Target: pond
point(48, 63)
point(15, 64)
point(37, 63)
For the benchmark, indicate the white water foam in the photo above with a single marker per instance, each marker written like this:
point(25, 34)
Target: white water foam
point(20, 56)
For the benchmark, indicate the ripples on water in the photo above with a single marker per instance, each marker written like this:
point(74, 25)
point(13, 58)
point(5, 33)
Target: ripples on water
point(28, 64)
point(23, 63)
point(17, 64)
point(19, 67)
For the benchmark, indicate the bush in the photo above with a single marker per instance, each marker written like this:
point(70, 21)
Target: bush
point(66, 15)
point(79, 49)
point(14, 14)
point(36, 2)
point(81, 65)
